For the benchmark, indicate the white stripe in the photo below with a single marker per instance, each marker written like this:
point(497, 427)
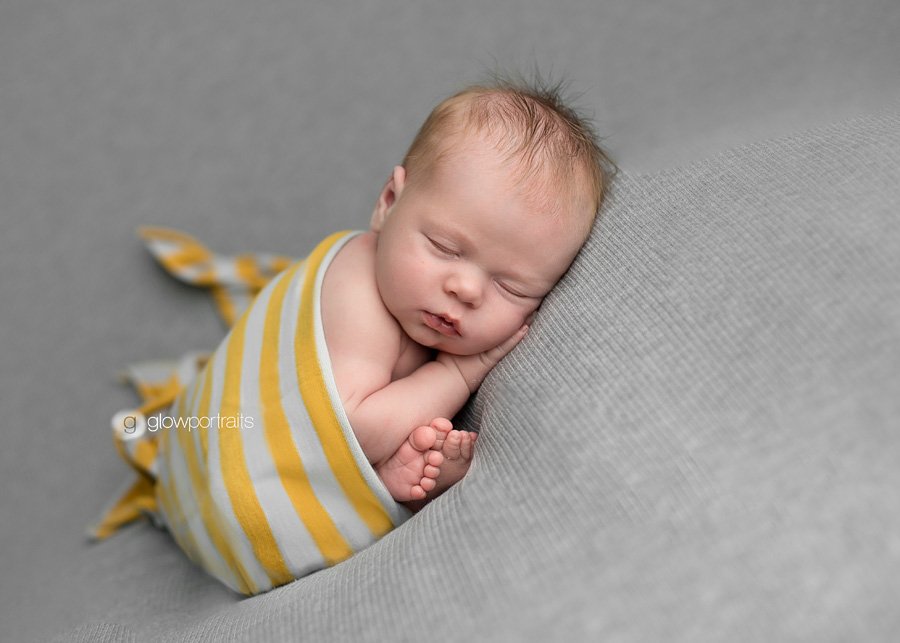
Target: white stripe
point(300, 553)
point(397, 512)
point(241, 298)
point(322, 479)
point(164, 247)
point(191, 273)
point(187, 367)
point(209, 557)
point(152, 372)
point(162, 476)
point(192, 412)
point(226, 271)
point(227, 521)
point(267, 260)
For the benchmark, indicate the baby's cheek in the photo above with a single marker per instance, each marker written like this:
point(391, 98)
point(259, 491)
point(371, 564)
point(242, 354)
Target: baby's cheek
point(506, 327)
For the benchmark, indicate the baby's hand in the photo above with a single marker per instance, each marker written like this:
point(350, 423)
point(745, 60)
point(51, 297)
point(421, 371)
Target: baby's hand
point(474, 368)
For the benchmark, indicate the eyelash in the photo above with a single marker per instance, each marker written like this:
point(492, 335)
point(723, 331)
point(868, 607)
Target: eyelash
point(442, 249)
point(513, 292)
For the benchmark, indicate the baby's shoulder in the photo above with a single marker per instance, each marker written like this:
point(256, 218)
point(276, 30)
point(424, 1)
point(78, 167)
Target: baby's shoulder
point(352, 309)
point(363, 339)
point(351, 273)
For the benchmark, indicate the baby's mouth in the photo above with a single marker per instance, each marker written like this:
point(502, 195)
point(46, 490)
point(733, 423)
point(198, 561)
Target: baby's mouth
point(441, 324)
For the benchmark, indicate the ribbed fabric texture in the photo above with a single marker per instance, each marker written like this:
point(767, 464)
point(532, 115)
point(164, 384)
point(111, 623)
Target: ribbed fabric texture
point(697, 441)
point(99, 633)
point(265, 126)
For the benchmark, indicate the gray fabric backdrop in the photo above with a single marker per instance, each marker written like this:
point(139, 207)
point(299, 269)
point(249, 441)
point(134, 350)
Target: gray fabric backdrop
point(718, 300)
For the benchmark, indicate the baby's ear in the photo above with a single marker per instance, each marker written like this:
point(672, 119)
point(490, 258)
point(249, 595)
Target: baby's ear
point(389, 195)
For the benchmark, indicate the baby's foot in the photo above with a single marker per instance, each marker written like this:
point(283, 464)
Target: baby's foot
point(457, 447)
point(410, 473)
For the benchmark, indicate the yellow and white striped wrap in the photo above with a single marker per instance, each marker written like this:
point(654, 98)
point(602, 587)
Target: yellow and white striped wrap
point(263, 480)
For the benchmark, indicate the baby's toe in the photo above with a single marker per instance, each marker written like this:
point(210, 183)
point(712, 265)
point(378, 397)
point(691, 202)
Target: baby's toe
point(452, 442)
point(466, 446)
point(423, 438)
point(442, 425)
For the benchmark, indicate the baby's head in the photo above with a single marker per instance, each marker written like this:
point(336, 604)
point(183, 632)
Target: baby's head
point(494, 199)
point(549, 150)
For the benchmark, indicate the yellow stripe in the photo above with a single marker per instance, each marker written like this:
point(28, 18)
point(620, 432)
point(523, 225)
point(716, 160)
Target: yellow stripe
point(332, 545)
point(169, 500)
point(185, 257)
point(127, 508)
point(151, 233)
point(147, 390)
point(205, 277)
point(280, 263)
point(247, 270)
point(158, 395)
point(203, 411)
point(200, 487)
point(224, 304)
point(145, 453)
point(180, 533)
point(318, 405)
point(140, 457)
point(244, 501)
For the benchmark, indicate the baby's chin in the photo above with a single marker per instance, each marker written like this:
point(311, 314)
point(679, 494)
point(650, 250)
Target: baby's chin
point(453, 345)
point(460, 347)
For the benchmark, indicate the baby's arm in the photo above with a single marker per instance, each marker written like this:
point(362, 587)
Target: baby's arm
point(384, 418)
point(474, 368)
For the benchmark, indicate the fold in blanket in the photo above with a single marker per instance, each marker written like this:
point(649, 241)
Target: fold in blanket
point(252, 464)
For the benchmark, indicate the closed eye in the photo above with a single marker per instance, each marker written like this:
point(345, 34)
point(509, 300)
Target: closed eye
point(441, 249)
point(512, 292)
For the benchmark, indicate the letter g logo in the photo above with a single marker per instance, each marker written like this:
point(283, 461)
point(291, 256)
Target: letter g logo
point(129, 424)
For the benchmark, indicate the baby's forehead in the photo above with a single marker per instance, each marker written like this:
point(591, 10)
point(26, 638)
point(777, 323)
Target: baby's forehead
point(527, 171)
point(528, 174)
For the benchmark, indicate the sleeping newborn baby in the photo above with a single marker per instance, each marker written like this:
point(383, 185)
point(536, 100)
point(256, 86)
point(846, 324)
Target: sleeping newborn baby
point(321, 421)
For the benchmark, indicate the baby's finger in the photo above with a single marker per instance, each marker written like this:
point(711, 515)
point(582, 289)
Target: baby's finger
point(499, 352)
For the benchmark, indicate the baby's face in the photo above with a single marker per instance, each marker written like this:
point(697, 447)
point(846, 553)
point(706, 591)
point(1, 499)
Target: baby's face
point(463, 260)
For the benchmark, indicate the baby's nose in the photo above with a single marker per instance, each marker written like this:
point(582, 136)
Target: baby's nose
point(466, 287)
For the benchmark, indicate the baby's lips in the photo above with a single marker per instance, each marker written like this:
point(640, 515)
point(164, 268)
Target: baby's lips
point(129, 424)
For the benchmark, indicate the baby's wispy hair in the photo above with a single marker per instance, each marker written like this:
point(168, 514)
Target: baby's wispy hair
point(533, 125)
